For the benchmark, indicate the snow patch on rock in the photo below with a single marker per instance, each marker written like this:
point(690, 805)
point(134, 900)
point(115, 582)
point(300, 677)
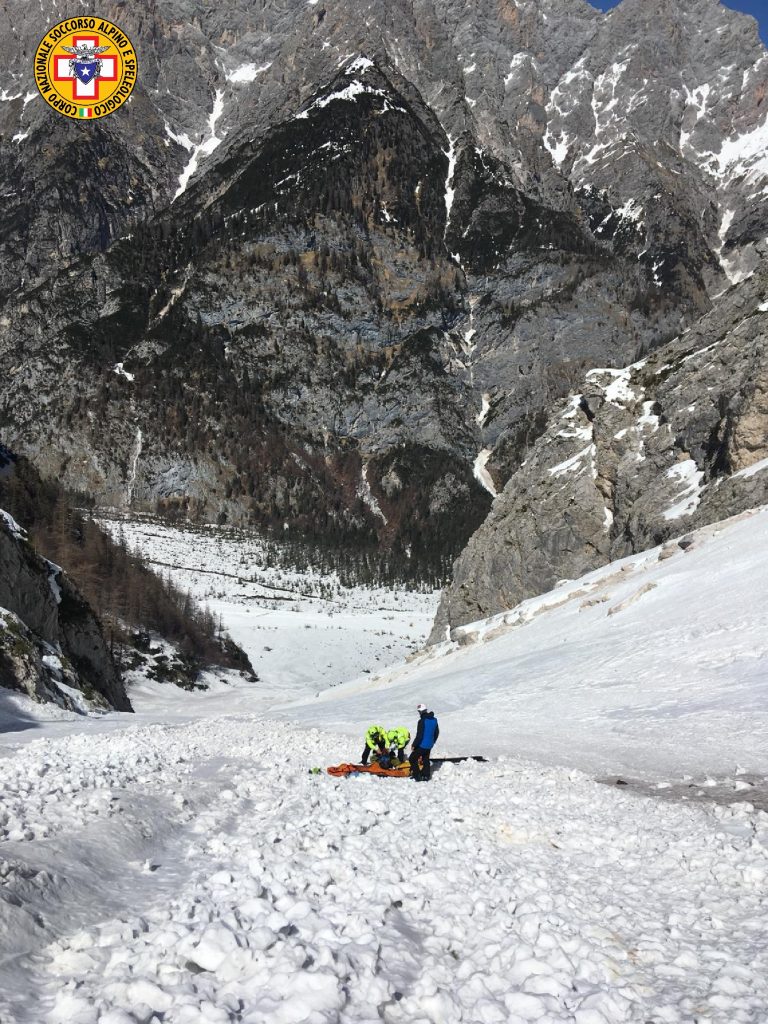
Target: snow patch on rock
point(481, 473)
point(485, 408)
point(367, 496)
point(247, 73)
point(17, 531)
point(119, 369)
point(204, 148)
point(746, 156)
point(688, 477)
point(753, 470)
point(573, 464)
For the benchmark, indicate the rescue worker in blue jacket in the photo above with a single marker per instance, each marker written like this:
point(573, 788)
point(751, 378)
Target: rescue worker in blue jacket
point(427, 732)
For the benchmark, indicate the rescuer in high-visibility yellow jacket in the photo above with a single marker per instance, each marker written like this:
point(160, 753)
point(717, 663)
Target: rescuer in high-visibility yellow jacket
point(398, 740)
point(375, 739)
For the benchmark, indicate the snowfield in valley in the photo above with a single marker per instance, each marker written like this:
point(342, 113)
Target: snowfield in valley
point(303, 631)
point(181, 866)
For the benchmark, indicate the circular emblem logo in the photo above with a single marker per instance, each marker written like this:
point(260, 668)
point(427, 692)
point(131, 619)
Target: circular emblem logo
point(85, 68)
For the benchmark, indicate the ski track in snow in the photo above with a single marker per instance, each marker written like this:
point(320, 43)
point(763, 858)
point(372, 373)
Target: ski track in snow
point(181, 866)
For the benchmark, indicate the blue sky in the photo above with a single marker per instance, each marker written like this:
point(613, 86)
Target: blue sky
point(757, 8)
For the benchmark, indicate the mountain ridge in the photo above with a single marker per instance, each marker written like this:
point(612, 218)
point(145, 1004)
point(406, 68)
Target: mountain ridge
point(394, 319)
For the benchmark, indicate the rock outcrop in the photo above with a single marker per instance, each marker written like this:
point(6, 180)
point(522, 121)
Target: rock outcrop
point(331, 269)
point(51, 644)
point(674, 442)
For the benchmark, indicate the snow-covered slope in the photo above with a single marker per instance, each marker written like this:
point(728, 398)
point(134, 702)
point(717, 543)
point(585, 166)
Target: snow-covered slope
point(655, 665)
point(258, 894)
point(199, 875)
point(182, 865)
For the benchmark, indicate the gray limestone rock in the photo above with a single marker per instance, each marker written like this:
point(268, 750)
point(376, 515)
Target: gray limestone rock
point(51, 642)
point(672, 443)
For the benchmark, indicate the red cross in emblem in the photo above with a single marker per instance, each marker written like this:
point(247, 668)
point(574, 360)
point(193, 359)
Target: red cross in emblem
point(62, 72)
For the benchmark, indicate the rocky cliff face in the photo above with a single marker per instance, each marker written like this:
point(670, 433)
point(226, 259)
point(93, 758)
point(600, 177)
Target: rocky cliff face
point(331, 268)
point(51, 644)
point(669, 444)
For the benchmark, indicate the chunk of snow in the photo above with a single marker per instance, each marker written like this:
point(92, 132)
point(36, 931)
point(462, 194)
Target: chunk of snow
point(563, 99)
point(658, 266)
point(726, 220)
point(573, 407)
point(576, 433)
point(558, 147)
point(520, 61)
